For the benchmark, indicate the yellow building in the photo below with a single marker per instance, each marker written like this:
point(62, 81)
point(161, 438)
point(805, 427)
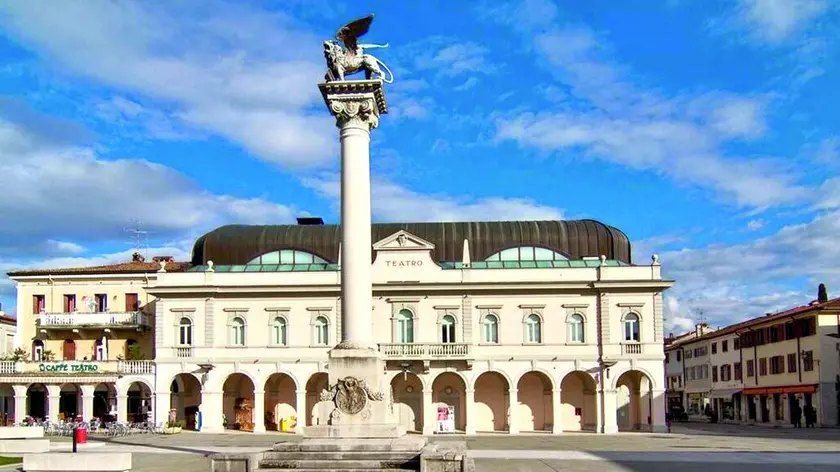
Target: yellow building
point(791, 364)
point(86, 342)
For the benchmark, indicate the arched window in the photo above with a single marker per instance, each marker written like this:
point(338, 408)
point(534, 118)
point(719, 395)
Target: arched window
point(237, 331)
point(527, 253)
point(532, 329)
point(278, 331)
point(631, 327)
point(322, 331)
point(447, 329)
point(576, 328)
point(37, 350)
point(405, 327)
point(490, 333)
point(287, 256)
point(185, 332)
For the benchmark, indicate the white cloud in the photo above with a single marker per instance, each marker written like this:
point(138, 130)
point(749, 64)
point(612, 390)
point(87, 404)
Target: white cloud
point(681, 137)
point(732, 283)
point(64, 195)
point(224, 68)
point(457, 59)
point(773, 21)
point(755, 225)
point(392, 202)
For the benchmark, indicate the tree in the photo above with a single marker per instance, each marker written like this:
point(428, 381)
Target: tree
point(822, 294)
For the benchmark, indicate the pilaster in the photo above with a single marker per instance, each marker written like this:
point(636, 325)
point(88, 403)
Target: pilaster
point(658, 320)
point(467, 311)
point(160, 316)
point(209, 321)
point(658, 411)
point(20, 408)
point(211, 412)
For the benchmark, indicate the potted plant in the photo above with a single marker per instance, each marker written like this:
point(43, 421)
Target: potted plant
point(174, 427)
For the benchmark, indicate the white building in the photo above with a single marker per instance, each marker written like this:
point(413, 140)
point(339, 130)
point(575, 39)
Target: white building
point(727, 379)
point(510, 326)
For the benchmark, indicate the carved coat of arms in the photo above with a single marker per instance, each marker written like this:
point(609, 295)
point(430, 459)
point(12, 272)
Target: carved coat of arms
point(350, 395)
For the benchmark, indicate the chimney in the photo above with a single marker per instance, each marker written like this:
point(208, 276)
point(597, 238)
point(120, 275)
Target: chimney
point(822, 294)
point(698, 330)
point(137, 257)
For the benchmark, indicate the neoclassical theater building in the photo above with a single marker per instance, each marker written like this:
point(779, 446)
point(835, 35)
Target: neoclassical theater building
point(515, 326)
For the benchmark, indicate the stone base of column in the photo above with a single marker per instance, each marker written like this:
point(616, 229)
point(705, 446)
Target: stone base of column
point(357, 402)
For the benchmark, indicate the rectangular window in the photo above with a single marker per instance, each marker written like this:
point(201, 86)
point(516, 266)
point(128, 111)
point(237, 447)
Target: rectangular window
point(777, 365)
point(714, 373)
point(750, 368)
point(714, 348)
point(736, 344)
point(726, 373)
point(724, 346)
point(808, 361)
point(774, 334)
point(762, 366)
point(667, 357)
point(101, 302)
point(39, 304)
point(791, 360)
point(737, 371)
point(69, 303)
point(132, 302)
point(688, 354)
point(678, 356)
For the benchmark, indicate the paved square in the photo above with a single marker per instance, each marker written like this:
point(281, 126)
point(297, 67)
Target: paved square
point(690, 447)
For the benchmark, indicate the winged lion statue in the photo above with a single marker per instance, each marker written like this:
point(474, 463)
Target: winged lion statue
point(351, 57)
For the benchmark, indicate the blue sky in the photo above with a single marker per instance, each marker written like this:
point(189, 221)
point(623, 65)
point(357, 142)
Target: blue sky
point(707, 131)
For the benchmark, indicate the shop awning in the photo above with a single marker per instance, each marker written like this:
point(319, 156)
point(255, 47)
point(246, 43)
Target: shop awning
point(724, 393)
point(785, 389)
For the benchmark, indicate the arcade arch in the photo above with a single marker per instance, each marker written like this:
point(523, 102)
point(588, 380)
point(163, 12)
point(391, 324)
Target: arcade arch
point(634, 401)
point(407, 394)
point(578, 402)
point(535, 402)
point(280, 401)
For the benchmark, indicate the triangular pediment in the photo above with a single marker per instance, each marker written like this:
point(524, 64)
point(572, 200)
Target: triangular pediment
point(403, 241)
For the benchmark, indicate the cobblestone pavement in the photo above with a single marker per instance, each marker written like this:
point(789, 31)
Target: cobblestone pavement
point(689, 447)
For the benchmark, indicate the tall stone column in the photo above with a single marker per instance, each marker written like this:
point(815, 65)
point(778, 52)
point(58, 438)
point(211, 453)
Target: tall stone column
point(557, 409)
point(357, 384)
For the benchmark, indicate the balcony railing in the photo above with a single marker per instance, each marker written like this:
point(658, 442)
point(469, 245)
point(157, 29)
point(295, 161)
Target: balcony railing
point(109, 319)
point(78, 367)
point(425, 350)
point(631, 348)
point(184, 352)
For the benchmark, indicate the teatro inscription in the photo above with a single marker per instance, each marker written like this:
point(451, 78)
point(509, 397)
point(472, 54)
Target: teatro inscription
point(412, 263)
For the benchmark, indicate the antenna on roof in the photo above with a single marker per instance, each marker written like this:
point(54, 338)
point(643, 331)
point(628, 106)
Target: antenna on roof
point(140, 238)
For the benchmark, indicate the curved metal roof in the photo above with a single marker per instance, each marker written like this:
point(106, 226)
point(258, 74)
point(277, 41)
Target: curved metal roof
point(238, 244)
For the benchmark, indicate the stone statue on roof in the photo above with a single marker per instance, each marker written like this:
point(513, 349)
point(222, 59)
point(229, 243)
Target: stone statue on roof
point(351, 57)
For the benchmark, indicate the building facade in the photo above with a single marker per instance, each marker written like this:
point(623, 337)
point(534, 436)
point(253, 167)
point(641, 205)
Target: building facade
point(792, 365)
point(86, 343)
point(727, 376)
point(507, 326)
point(768, 370)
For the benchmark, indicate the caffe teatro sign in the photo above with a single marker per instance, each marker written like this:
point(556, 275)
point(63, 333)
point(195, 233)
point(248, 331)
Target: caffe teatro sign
point(68, 367)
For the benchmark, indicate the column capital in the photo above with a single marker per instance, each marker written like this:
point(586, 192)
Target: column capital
point(355, 103)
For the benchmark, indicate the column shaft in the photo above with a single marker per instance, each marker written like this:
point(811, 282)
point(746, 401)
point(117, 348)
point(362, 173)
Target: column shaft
point(356, 246)
point(557, 409)
point(302, 414)
point(470, 401)
point(513, 414)
point(87, 407)
point(429, 413)
point(122, 408)
point(20, 408)
point(259, 411)
point(52, 407)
